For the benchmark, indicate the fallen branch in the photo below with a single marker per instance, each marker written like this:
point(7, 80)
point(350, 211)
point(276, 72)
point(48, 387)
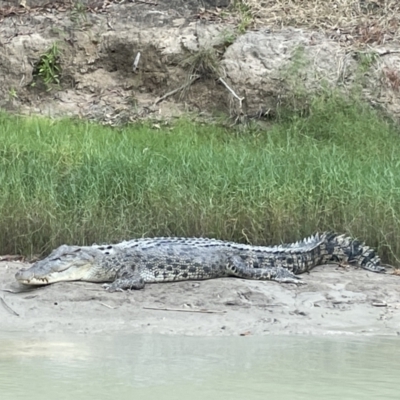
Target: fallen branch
point(7, 307)
point(108, 306)
point(160, 99)
point(204, 311)
point(22, 290)
point(233, 93)
point(9, 291)
point(149, 3)
point(380, 304)
point(385, 53)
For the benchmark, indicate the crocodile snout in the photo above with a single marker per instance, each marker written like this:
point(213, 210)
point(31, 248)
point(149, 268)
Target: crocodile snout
point(24, 276)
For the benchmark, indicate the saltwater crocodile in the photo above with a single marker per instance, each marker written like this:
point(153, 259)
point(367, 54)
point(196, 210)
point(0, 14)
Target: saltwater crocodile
point(132, 264)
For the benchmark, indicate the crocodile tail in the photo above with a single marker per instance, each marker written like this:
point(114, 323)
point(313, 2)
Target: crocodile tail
point(343, 248)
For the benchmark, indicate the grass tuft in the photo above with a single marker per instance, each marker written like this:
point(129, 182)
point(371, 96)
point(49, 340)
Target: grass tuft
point(48, 68)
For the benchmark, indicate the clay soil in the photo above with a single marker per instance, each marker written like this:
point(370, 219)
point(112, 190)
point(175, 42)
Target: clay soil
point(333, 301)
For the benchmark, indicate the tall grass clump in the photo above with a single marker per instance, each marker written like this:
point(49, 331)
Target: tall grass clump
point(338, 168)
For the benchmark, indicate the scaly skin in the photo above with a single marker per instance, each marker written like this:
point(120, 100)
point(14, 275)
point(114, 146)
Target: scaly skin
point(130, 265)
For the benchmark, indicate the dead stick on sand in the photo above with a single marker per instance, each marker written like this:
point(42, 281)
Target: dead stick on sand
point(23, 290)
point(106, 305)
point(184, 310)
point(9, 291)
point(7, 307)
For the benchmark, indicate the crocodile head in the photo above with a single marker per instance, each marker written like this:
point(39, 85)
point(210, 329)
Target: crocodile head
point(66, 263)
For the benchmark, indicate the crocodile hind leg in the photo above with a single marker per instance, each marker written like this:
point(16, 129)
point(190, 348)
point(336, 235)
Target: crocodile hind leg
point(238, 268)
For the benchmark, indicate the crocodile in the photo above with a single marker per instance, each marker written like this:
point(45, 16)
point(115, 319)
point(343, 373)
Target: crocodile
point(132, 264)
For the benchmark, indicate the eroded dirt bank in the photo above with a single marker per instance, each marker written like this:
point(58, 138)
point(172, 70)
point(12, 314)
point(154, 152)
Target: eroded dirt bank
point(201, 57)
point(334, 301)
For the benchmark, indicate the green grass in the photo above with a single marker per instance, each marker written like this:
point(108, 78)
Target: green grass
point(80, 183)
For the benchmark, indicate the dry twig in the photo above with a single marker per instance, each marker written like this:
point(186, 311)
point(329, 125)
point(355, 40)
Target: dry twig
point(192, 80)
point(108, 306)
point(7, 307)
point(233, 93)
point(204, 311)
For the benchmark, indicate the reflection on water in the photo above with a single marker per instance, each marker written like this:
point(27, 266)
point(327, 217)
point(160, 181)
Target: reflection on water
point(166, 367)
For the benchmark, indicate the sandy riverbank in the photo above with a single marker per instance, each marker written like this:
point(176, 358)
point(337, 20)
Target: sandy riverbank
point(334, 301)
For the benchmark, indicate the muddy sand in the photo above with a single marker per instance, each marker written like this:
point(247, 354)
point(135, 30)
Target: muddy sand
point(333, 301)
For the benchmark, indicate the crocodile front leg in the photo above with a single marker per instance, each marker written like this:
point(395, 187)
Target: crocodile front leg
point(127, 279)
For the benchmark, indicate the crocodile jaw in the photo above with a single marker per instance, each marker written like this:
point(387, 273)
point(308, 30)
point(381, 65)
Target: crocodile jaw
point(36, 276)
point(66, 263)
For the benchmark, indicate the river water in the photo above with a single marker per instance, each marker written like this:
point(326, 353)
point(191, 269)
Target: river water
point(153, 367)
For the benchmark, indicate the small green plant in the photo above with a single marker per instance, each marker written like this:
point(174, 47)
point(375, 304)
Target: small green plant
point(245, 15)
point(78, 12)
point(12, 94)
point(366, 60)
point(48, 68)
point(228, 37)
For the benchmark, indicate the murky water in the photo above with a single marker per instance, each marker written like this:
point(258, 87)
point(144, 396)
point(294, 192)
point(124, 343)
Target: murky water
point(166, 367)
